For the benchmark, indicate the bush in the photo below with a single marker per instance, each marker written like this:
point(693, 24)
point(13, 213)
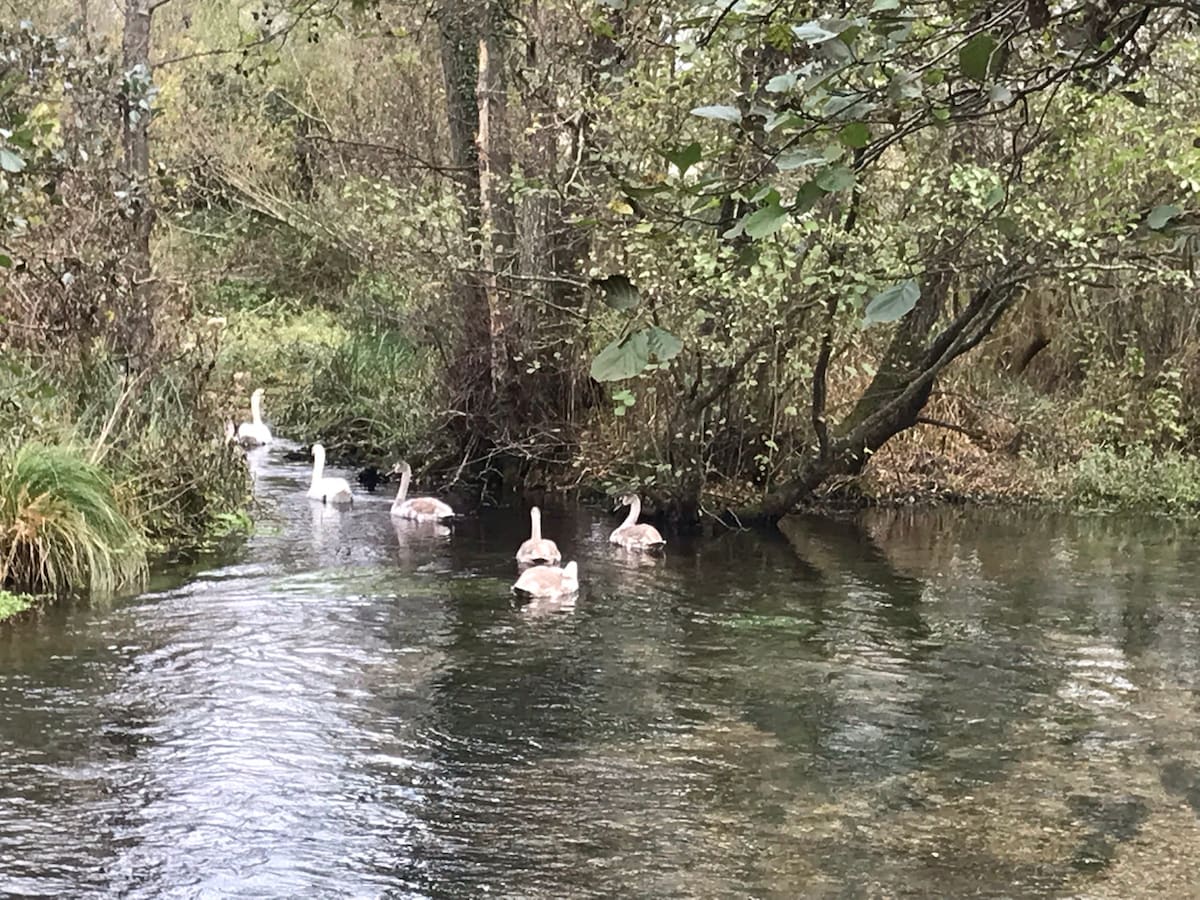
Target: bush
point(60, 525)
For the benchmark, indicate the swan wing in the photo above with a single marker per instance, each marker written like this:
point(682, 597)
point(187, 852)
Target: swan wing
point(544, 550)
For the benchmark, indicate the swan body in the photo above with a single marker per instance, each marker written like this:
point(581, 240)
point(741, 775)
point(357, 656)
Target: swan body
point(548, 581)
point(254, 432)
point(417, 509)
point(538, 550)
point(327, 490)
point(632, 536)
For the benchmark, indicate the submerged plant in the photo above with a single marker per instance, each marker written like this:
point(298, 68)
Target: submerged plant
point(61, 528)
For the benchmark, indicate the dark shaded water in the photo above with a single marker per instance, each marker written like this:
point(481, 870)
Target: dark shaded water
point(938, 704)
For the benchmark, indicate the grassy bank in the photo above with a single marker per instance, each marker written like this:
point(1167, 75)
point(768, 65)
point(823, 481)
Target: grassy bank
point(99, 470)
point(356, 381)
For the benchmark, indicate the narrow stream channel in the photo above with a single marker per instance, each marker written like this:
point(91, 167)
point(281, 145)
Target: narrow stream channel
point(938, 704)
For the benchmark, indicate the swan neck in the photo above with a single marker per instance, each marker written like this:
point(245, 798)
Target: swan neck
point(405, 477)
point(535, 522)
point(256, 408)
point(635, 510)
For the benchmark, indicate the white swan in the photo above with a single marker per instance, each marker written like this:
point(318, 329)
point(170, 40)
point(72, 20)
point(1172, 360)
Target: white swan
point(632, 536)
point(538, 550)
point(327, 490)
point(548, 581)
point(418, 509)
point(253, 433)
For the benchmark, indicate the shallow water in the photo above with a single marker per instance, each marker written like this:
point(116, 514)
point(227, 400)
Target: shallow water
point(900, 705)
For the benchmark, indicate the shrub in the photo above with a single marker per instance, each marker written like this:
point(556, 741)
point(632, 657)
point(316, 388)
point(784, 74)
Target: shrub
point(60, 524)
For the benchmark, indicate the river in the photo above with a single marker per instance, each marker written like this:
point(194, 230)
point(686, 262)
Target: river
point(901, 704)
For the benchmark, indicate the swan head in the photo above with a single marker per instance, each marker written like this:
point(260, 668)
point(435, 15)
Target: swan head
point(627, 499)
point(570, 576)
point(257, 395)
point(318, 451)
point(401, 468)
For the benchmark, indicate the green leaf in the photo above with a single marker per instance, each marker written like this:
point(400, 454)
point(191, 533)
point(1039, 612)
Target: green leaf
point(885, 5)
point(766, 221)
point(619, 292)
point(978, 57)
point(807, 197)
point(623, 358)
point(781, 84)
point(1161, 215)
point(892, 303)
point(855, 135)
point(813, 32)
point(994, 197)
point(725, 113)
point(1007, 227)
point(798, 159)
point(663, 345)
point(685, 158)
point(10, 161)
point(628, 356)
point(5, 261)
point(835, 178)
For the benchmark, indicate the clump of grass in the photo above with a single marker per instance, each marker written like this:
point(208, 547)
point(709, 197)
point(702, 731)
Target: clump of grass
point(61, 528)
point(11, 604)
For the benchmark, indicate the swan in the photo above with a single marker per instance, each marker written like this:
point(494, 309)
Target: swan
point(632, 536)
point(419, 509)
point(538, 550)
point(548, 581)
point(327, 490)
point(251, 434)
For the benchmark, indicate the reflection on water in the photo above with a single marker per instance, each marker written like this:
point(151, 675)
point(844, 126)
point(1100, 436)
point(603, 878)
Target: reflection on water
point(926, 704)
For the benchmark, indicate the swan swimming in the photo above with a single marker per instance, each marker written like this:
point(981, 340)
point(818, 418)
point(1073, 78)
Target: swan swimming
point(538, 550)
point(418, 509)
point(548, 581)
point(254, 433)
point(632, 536)
point(327, 490)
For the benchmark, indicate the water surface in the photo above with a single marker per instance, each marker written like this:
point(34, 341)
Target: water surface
point(899, 705)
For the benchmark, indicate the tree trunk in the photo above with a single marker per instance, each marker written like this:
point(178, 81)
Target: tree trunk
point(135, 332)
point(495, 212)
point(896, 396)
point(463, 26)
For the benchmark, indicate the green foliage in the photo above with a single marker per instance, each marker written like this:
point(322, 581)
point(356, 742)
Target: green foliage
point(370, 397)
point(1140, 478)
point(61, 527)
point(156, 437)
point(13, 604)
point(631, 354)
point(892, 302)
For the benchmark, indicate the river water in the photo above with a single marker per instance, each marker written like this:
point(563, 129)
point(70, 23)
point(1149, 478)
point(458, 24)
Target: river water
point(937, 704)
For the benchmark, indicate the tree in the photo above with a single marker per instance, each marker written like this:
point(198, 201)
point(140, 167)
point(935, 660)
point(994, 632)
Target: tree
point(840, 129)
